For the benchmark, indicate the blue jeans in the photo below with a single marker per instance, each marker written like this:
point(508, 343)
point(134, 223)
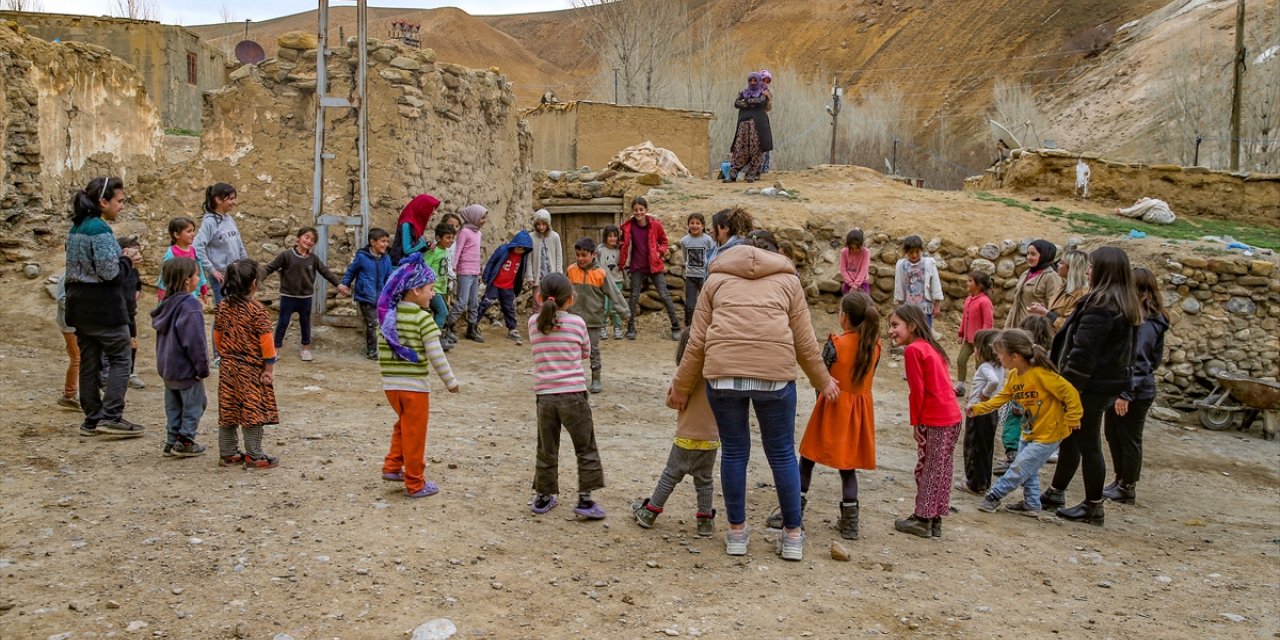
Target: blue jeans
point(506, 298)
point(1025, 473)
point(439, 310)
point(776, 413)
point(468, 300)
point(183, 409)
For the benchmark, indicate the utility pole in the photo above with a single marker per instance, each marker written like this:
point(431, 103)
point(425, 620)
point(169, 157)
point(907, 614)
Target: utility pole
point(615, 85)
point(836, 92)
point(1237, 88)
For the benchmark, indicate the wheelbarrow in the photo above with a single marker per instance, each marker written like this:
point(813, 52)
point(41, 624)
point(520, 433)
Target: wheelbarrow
point(1234, 393)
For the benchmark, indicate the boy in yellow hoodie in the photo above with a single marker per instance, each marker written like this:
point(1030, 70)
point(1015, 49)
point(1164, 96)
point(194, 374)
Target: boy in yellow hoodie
point(1053, 411)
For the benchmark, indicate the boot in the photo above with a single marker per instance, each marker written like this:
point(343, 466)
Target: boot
point(596, 385)
point(645, 513)
point(1052, 498)
point(1121, 492)
point(1114, 483)
point(848, 523)
point(935, 527)
point(1088, 512)
point(774, 521)
point(473, 332)
point(915, 525)
point(706, 524)
point(450, 337)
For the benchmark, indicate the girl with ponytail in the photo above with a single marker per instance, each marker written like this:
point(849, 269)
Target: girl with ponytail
point(1053, 411)
point(218, 242)
point(560, 344)
point(842, 433)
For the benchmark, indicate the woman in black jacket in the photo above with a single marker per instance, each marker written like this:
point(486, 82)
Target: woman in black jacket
point(1094, 351)
point(1127, 418)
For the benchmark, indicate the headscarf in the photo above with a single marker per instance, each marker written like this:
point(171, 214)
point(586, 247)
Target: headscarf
point(765, 75)
point(418, 213)
point(753, 92)
point(1048, 255)
point(471, 214)
point(411, 274)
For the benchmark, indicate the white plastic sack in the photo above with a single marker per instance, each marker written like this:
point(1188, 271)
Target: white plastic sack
point(646, 158)
point(1149, 210)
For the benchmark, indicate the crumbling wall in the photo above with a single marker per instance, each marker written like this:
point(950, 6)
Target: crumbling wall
point(573, 134)
point(70, 112)
point(1252, 198)
point(433, 128)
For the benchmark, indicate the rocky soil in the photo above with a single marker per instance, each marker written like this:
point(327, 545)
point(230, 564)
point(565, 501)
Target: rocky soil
point(106, 538)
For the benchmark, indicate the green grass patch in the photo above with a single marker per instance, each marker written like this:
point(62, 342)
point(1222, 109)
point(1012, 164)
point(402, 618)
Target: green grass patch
point(1181, 229)
point(182, 132)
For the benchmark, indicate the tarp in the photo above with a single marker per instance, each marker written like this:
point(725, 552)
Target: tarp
point(646, 158)
point(1149, 210)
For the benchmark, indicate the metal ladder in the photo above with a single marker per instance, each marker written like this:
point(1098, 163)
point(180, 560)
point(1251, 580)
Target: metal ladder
point(324, 102)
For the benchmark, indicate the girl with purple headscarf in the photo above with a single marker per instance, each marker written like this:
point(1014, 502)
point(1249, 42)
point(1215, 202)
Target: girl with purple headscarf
point(753, 137)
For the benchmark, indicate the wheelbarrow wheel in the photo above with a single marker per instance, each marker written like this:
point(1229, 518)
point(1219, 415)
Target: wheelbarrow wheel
point(1216, 419)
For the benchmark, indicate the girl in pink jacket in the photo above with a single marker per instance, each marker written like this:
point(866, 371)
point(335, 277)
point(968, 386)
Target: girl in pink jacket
point(855, 262)
point(466, 264)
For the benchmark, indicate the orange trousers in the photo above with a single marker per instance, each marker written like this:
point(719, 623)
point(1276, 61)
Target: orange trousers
point(409, 437)
point(72, 384)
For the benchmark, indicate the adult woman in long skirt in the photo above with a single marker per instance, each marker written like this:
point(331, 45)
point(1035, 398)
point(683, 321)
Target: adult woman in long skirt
point(1094, 350)
point(753, 137)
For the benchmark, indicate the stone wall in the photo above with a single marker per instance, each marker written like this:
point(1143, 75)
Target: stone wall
point(70, 112)
point(1224, 310)
point(158, 51)
point(433, 127)
point(1250, 198)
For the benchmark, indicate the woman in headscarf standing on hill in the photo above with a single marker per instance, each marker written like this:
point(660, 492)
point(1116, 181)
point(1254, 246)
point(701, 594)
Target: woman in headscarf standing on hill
point(1040, 284)
point(411, 228)
point(753, 137)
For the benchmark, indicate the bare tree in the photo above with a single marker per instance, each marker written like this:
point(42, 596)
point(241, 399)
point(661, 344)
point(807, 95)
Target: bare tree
point(226, 14)
point(635, 37)
point(136, 9)
point(22, 5)
point(1014, 106)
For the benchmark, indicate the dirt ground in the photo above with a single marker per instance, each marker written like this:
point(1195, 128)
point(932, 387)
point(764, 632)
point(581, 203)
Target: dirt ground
point(100, 536)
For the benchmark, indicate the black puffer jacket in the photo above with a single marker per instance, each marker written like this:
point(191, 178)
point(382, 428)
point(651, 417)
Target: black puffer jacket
point(1094, 350)
point(1147, 357)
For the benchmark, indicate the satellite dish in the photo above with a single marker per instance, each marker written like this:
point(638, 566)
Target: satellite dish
point(1002, 134)
point(250, 52)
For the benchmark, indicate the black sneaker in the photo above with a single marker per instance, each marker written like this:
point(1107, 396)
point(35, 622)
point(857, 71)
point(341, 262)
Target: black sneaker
point(168, 449)
point(631, 334)
point(121, 427)
point(187, 449)
point(89, 430)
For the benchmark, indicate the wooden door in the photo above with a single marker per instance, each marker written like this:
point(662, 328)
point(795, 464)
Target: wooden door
point(578, 224)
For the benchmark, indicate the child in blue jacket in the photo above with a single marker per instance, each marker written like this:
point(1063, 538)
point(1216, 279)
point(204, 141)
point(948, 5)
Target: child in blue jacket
point(504, 278)
point(368, 272)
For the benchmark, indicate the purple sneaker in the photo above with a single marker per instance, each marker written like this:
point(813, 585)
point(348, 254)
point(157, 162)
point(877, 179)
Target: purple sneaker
point(593, 512)
point(428, 489)
point(551, 504)
point(398, 476)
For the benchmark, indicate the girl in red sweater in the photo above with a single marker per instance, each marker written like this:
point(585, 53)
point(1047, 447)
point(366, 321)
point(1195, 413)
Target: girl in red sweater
point(978, 315)
point(935, 419)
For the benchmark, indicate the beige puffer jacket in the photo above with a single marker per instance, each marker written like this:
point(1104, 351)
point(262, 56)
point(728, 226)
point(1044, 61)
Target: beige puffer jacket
point(752, 321)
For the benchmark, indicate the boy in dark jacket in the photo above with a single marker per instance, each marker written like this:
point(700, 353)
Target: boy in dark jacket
point(181, 357)
point(504, 279)
point(131, 287)
point(591, 288)
point(369, 271)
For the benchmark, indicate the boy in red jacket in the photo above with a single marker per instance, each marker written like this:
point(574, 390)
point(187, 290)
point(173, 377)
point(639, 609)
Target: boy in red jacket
point(644, 244)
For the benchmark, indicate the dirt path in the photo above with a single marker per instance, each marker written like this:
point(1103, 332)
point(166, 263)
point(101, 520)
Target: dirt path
point(96, 535)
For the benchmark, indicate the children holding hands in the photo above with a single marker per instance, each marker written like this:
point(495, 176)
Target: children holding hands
point(408, 350)
point(246, 395)
point(298, 267)
point(369, 271)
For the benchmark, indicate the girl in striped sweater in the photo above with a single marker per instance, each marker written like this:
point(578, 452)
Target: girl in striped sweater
point(409, 349)
point(560, 344)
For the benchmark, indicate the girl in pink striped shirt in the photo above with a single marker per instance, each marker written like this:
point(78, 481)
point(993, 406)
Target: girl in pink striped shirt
point(855, 261)
point(560, 344)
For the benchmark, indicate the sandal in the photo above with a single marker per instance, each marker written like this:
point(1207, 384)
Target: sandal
point(593, 512)
point(428, 489)
point(395, 476)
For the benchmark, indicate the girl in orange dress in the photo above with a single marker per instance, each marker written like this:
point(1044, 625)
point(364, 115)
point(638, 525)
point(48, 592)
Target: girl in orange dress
point(246, 391)
point(842, 434)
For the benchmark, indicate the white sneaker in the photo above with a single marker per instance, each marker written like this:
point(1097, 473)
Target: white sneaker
point(1053, 458)
point(735, 542)
point(306, 355)
point(135, 382)
point(791, 548)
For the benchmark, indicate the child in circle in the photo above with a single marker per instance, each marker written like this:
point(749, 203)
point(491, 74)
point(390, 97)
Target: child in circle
point(855, 264)
point(935, 419)
point(560, 344)
point(607, 254)
point(246, 395)
point(298, 268)
point(182, 358)
point(182, 233)
point(980, 430)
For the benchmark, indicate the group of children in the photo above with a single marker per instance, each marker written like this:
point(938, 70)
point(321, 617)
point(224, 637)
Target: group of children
point(409, 327)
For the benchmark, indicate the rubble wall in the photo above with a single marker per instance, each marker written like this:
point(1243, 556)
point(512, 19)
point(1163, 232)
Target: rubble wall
point(1190, 191)
point(433, 127)
point(70, 112)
